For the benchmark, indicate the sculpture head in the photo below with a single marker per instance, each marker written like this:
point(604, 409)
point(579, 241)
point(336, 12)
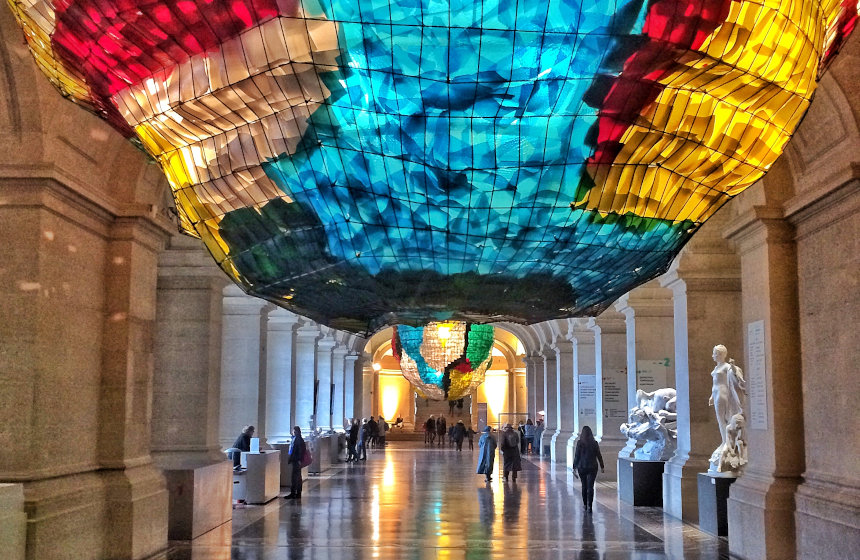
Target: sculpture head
point(720, 353)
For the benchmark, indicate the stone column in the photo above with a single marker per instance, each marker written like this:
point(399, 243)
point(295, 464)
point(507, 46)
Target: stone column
point(349, 385)
point(828, 515)
point(368, 377)
point(324, 365)
point(584, 367)
point(186, 390)
point(306, 366)
point(531, 386)
point(134, 488)
point(187, 378)
point(510, 392)
point(705, 289)
point(761, 506)
point(550, 375)
point(611, 372)
point(650, 307)
point(338, 378)
point(564, 400)
point(240, 365)
point(280, 371)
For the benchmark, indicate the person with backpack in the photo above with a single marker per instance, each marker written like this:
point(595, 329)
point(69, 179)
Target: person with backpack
point(585, 460)
point(510, 447)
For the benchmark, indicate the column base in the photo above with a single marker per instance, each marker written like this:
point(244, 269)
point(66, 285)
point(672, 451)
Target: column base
point(546, 442)
point(13, 521)
point(680, 487)
point(610, 448)
point(200, 496)
point(558, 449)
point(137, 505)
point(827, 518)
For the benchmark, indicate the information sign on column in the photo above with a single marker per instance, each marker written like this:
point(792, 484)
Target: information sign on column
point(614, 397)
point(652, 374)
point(756, 376)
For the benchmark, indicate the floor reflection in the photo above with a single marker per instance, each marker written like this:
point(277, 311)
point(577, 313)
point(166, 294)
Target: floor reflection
point(419, 503)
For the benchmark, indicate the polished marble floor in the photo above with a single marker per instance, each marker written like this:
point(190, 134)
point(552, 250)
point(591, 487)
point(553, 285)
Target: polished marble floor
point(413, 502)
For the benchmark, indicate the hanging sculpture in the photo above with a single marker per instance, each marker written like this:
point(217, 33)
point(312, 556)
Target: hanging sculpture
point(370, 162)
point(444, 360)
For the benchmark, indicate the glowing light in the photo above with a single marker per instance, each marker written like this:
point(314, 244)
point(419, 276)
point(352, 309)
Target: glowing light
point(390, 401)
point(496, 389)
point(376, 366)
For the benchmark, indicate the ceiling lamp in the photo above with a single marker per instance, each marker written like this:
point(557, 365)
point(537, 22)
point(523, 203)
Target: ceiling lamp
point(446, 360)
point(393, 161)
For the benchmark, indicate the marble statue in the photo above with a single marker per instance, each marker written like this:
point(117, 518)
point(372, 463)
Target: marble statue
point(653, 422)
point(727, 396)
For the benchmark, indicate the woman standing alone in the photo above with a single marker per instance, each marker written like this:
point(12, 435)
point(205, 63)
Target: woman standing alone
point(585, 461)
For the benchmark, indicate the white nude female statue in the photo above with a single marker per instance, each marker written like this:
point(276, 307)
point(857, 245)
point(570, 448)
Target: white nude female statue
point(727, 396)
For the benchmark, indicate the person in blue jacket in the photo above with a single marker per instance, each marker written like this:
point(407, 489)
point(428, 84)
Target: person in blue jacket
point(297, 452)
point(486, 453)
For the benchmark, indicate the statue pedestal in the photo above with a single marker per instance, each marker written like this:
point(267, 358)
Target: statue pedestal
point(713, 494)
point(640, 483)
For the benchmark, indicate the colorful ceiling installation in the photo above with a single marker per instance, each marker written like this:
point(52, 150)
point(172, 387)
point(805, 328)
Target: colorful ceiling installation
point(444, 360)
point(371, 162)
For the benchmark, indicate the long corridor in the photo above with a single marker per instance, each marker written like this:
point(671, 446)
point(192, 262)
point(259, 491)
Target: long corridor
point(414, 502)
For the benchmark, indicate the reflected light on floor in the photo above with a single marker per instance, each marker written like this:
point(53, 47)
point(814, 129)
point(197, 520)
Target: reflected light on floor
point(374, 519)
point(388, 479)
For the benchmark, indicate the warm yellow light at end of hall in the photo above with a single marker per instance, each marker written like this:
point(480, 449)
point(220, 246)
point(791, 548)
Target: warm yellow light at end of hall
point(495, 387)
point(390, 400)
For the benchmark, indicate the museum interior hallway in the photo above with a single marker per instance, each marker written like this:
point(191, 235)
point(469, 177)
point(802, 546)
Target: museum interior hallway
point(413, 502)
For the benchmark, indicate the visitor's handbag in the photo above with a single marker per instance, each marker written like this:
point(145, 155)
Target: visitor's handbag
point(307, 458)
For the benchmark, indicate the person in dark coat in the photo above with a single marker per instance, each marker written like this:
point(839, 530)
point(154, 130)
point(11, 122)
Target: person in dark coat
point(297, 452)
point(441, 429)
point(510, 448)
point(459, 434)
point(585, 460)
point(373, 428)
point(363, 437)
point(486, 453)
point(430, 430)
point(352, 441)
point(242, 443)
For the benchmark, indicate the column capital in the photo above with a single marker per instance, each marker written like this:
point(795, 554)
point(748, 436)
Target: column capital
point(352, 356)
point(237, 302)
point(326, 344)
point(282, 317)
point(760, 225)
point(340, 351)
point(308, 333)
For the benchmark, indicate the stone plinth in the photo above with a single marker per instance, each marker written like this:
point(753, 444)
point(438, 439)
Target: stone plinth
point(263, 478)
point(713, 495)
point(640, 483)
point(200, 499)
point(13, 521)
